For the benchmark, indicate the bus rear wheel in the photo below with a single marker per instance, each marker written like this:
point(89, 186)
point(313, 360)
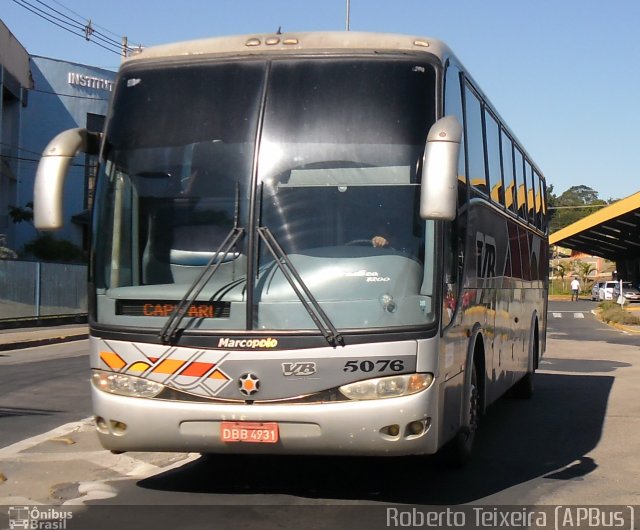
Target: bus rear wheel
point(524, 388)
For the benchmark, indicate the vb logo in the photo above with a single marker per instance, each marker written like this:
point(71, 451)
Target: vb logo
point(300, 368)
point(485, 256)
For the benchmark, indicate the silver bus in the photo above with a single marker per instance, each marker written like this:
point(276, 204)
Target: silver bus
point(309, 243)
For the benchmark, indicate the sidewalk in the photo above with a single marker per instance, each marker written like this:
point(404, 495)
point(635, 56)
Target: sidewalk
point(14, 339)
point(68, 462)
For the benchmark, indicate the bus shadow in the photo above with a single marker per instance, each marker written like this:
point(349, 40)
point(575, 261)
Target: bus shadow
point(10, 412)
point(548, 436)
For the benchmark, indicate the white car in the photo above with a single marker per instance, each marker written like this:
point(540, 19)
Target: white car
point(606, 291)
point(630, 293)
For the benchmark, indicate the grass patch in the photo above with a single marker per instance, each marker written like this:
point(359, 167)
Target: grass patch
point(612, 313)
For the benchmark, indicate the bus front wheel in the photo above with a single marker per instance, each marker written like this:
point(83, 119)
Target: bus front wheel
point(460, 448)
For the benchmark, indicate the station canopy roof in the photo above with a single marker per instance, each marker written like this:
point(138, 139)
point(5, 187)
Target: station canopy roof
point(612, 232)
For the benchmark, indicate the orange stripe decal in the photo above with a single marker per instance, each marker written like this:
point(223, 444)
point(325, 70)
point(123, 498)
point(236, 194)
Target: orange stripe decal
point(169, 366)
point(197, 369)
point(112, 360)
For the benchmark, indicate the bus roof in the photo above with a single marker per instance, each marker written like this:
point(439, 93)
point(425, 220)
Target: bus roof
point(309, 42)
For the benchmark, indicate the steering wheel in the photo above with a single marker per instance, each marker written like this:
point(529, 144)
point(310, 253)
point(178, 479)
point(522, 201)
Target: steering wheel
point(359, 242)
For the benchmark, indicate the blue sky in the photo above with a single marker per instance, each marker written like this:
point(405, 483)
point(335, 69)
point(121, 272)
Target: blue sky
point(564, 74)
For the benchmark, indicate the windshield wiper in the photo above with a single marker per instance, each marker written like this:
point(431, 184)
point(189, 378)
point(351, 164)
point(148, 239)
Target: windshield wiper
point(317, 314)
point(170, 329)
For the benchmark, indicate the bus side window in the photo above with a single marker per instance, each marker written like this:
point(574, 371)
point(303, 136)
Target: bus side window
point(475, 142)
point(543, 206)
point(492, 138)
point(509, 176)
point(531, 192)
point(521, 188)
point(453, 106)
point(539, 198)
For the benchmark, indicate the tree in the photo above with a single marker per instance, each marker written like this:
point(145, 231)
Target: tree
point(563, 269)
point(552, 202)
point(574, 204)
point(19, 214)
point(22, 214)
point(47, 248)
point(584, 269)
point(580, 195)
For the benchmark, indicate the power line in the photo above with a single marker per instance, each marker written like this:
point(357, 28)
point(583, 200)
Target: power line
point(68, 95)
point(79, 25)
point(18, 148)
point(45, 16)
point(25, 158)
point(34, 160)
point(21, 158)
point(82, 28)
point(78, 15)
point(86, 27)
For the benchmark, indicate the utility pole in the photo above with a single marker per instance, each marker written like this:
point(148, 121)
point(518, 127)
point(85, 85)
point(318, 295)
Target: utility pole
point(348, 14)
point(88, 30)
point(125, 46)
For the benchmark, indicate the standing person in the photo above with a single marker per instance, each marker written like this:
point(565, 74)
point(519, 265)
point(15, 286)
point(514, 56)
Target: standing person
point(575, 288)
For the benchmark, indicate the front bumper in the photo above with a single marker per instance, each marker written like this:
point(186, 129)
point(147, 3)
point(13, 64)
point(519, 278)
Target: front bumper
point(347, 428)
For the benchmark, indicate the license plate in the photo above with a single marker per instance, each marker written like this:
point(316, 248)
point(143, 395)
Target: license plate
point(253, 432)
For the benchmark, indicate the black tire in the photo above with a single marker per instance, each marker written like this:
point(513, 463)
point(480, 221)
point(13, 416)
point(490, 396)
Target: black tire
point(524, 388)
point(460, 449)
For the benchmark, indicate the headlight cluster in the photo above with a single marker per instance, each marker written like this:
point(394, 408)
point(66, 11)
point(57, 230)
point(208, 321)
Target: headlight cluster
point(387, 387)
point(125, 385)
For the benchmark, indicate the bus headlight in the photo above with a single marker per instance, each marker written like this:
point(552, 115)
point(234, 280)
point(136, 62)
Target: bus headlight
point(125, 385)
point(387, 387)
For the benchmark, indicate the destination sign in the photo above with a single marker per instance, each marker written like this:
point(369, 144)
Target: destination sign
point(164, 308)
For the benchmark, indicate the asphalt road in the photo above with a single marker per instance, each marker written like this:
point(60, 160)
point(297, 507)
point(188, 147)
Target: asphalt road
point(574, 321)
point(561, 447)
point(41, 388)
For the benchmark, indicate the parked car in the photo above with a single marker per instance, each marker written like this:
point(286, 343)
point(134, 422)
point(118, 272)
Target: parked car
point(595, 291)
point(631, 293)
point(606, 291)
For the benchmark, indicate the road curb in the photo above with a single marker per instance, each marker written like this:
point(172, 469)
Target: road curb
point(621, 327)
point(32, 343)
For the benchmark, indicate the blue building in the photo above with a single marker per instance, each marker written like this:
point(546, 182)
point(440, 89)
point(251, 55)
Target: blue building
point(15, 80)
point(40, 98)
point(64, 95)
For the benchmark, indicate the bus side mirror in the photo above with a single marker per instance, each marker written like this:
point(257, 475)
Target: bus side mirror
point(438, 194)
point(52, 171)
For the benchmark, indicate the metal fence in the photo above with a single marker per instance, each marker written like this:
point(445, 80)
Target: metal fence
point(30, 289)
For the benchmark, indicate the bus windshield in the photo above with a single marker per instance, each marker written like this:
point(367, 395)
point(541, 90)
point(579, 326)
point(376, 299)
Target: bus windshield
point(324, 153)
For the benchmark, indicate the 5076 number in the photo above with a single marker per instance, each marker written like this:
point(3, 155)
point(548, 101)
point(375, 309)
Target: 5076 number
point(380, 365)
